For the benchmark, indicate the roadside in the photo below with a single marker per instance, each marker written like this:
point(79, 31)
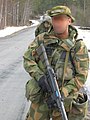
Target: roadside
point(10, 31)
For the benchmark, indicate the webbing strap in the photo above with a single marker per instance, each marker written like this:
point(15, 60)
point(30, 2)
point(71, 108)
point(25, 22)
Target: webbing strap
point(65, 66)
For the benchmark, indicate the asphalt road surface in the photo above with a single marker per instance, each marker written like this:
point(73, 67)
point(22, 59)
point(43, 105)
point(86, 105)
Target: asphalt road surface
point(13, 104)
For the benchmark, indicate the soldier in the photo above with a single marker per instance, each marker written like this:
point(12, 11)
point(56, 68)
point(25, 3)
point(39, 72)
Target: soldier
point(44, 26)
point(68, 56)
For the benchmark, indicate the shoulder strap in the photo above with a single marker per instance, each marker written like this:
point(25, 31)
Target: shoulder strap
point(79, 40)
point(65, 65)
point(72, 62)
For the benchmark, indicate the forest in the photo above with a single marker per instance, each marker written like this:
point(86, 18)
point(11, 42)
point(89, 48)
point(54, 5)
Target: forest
point(19, 12)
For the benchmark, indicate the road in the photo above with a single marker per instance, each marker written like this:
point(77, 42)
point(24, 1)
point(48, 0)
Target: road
point(13, 104)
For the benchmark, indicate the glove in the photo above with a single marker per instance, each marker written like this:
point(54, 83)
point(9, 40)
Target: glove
point(43, 84)
point(51, 103)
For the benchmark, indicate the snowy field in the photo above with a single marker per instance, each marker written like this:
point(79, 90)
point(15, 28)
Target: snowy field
point(85, 34)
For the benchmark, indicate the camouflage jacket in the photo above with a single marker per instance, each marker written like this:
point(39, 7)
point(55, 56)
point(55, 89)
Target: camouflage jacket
point(41, 28)
point(56, 49)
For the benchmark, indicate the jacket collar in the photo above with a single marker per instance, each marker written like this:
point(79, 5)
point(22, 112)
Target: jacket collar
point(67, 44)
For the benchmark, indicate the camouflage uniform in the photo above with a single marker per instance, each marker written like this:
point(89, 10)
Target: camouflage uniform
point(41, 28)
point(75, 74)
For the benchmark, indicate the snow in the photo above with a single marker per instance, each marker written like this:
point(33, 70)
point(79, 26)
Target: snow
point(10, 30)
point(85, 35)
point(41, 18)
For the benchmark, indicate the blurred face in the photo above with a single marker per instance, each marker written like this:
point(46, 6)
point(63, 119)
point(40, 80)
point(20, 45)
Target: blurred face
point(47, 24)
point(60, 23)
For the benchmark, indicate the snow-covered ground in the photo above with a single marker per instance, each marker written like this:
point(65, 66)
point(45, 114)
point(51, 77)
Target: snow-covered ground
point(10, 30)
point(85, 35)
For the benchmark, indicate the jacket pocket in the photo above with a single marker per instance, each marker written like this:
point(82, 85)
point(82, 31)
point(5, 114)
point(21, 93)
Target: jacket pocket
point(79, 108)
point(33, 91)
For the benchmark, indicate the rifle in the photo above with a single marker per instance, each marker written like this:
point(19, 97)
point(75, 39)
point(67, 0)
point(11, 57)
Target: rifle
point(52, 82)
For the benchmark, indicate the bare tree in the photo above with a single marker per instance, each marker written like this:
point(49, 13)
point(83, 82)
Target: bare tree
point(26, 12)
point(1, 13)
point(17, 13)
point(5, 23)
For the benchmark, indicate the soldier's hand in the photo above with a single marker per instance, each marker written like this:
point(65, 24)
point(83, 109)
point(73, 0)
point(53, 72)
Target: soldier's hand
point(43, 84)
